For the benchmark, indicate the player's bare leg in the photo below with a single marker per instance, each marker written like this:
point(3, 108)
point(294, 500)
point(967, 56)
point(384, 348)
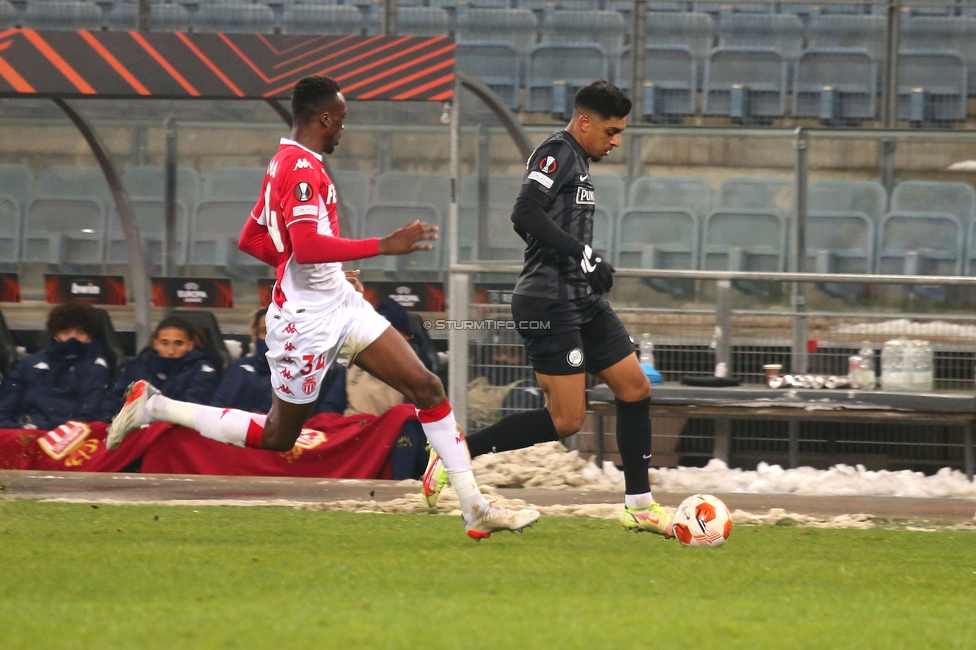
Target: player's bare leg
point(391, 360)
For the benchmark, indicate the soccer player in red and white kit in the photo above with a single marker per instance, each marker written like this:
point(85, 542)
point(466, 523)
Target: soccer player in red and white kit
point(318, 314)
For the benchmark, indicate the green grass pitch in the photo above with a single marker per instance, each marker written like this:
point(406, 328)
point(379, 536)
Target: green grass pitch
point(74, 576)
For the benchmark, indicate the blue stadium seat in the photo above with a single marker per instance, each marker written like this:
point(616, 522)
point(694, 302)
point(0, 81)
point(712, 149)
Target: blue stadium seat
point(415, 188)
point(497, 65)
point(670, 80)
point(556, 72)
point(943, 34)
point(605, 28)
point(355, 191)
point(756, 194)
point(17, 181)
point(62, 15)
point(744, 240)
point(64, 230)
point(234, 18)
point(413, 21)
point(931, 87)
point(124, 16)
point(865, 197)
point(610, 192)
point(848, 32)
point(10, 224)
point(321, 19)
point(920, 243)
point(780, 32)
point(383, 218)
point(215, 229)
point(657, 8)
point(693, 195)
point(745, 83)
point(551, 6)
point(957, 199)
point(690, 30)
point(657, 238)
point(835, 85)
point(750, 8)
point(71, 180)
point(839, 242)
point(149, 181)
point(238, 183)
point(515, 27)
point(503, 243)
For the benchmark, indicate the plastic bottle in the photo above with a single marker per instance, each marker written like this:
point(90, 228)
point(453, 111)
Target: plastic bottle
point(647, 359)
point(894, 370)
point(869, 379)
point(923, 371)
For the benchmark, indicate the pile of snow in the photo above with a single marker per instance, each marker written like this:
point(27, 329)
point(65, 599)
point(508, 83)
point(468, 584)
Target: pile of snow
point(551, 466)
point(905, 327)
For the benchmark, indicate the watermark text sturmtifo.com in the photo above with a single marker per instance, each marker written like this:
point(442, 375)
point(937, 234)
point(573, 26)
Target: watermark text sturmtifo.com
point(487, 324)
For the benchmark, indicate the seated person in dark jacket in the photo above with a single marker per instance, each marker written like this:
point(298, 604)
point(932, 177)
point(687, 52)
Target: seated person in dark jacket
point(173, 363)
point(63, 382)
point(247, 383)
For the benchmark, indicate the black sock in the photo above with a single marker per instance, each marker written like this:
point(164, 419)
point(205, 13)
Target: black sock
point(634, 443)
point(515, 431)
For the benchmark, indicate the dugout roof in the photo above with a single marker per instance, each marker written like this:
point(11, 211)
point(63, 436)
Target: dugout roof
point(164, 65)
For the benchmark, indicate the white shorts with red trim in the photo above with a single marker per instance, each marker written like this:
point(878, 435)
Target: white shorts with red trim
point(302, 345)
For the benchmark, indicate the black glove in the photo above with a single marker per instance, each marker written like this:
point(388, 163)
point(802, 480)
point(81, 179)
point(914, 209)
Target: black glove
point(597, 271)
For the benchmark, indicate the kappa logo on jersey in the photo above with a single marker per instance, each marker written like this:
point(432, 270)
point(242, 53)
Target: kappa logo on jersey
point(302, 164)
point(585, 196)
point(548, 165)
point(273, 168)
point(286, 374)
point(284, 389)
point(303, 192)
point(308, 386)
point(287, 359)
point(291, 329)
point(289, 347)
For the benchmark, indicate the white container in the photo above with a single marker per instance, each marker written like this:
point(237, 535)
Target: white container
point(647, 350)
point(923, 370)
point(895, 375)
point(869, 379)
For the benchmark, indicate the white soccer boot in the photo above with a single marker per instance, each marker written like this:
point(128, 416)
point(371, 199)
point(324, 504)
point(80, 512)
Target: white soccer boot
point(133, 414)
point(497, 518)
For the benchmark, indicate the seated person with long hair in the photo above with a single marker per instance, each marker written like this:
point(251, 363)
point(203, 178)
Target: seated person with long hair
point(63, 382)
point(173, 362)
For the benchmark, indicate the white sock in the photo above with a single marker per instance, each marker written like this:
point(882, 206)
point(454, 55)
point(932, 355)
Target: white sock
point(638, 500)
point(447, 440)
point(223, 425)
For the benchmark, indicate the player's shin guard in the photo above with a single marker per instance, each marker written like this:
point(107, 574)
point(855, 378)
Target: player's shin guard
point(447, 440)
point(634, 443)
point(515, 431)
point(238, 428)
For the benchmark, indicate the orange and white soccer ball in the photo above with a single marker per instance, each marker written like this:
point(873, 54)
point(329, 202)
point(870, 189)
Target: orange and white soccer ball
point(702, 520)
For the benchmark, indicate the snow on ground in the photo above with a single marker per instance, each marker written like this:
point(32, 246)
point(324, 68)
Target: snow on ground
point(551, 466)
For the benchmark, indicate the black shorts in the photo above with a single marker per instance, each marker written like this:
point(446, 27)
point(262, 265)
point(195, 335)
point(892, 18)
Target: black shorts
point(567, 337)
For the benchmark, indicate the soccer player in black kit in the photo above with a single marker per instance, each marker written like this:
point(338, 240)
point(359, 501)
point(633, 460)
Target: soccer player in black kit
point(562, 283)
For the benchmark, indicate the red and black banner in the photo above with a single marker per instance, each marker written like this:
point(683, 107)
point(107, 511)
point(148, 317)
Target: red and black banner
point(174, 65)
point(9, 287)
point(92, 289)
point(192, 292)
point(412, 296)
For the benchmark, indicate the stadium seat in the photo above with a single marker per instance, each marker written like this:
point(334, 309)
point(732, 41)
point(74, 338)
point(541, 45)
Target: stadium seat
point(64, 229)
point(931, 87)
point(745, 83)
point(149, 181)
point(8, 15)
point(687, 30)
point(657, 8)
point(605, 28)
point(848, 32)
point(238, 183)
point(556, 72)
point(17, 181)
point(751, 8)
point(216, 227)
point(515, 27)
point(602, 239)
point(62, 15)
point(944, 34)
point(865, 197)
point(920, 243)
point(413, 21)
point(756, 194)
point(233, 18)
point(670, 81)
point(321, 19)
point(780, 32)
point(355, 191)
point(610, 192)
point(415, 188)
point(10, 218)
point(657, 238)
point(741, 240)
point(163, 17)
point(839, 242)
point(503, 243)
point(62, 180)
point(382, 218)
point(666, 193)
point(957, 199)
point(497, 65)
point(835, 85)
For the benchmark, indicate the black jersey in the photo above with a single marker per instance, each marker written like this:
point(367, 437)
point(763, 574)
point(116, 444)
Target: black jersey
point(560, 169)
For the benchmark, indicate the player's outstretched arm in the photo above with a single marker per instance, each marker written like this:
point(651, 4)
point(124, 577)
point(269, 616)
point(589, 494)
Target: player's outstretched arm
point(256, 242)
point(408, 239)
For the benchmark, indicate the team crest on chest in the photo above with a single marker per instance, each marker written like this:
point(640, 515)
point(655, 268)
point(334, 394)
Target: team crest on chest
point(303, 192)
